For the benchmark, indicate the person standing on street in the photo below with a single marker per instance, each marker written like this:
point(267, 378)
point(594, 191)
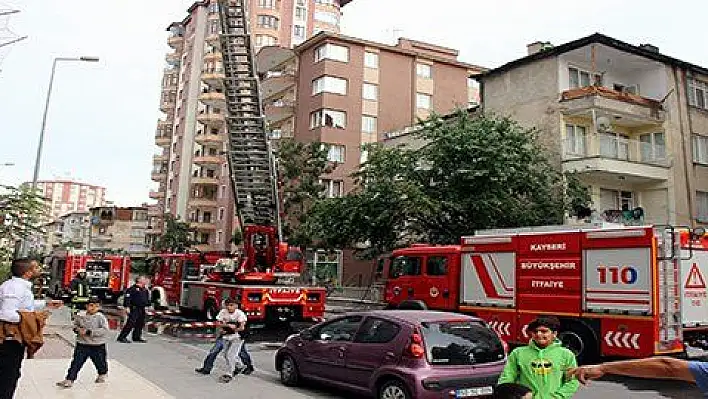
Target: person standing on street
point(137, 298)
point(16, 295)
point(80, 291)
point(233, 321)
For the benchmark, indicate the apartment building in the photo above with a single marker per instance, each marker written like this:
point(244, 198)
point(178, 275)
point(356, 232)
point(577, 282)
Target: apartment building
point(69, 230)
point(630, 120)
point(119, 229)
point(190, 167)
point(65, 196)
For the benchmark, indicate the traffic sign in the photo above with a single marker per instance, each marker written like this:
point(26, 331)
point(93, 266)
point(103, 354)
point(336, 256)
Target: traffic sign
point(695, 278)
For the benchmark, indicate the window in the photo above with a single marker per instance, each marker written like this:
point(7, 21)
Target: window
point(221, 214)
point(457, 343)
point(368, 124)
point(575, 139)
point(266, 4)
point(370, 91)
point(377, 331)
point(329, 84)
point(327, 17)
point(702, 206)
point(424, 71)
point(700, 149)
point(333, 188)
point(300, 13)
point(616, 200)
point(472, 83)
point(219, 236)
point(336, 153)
point(299, 31)
point(423, 101)
point(325, 2)
point(266, 40)
point(267, 21)
point(652, 147)
point(371, 60)
point(332, 52)
point(328, 118)
point(436, 266)
point(405, 266)
point(276, 133)
point(222, 193)
point(697, 93)
point(339, 330)
point(579, 78)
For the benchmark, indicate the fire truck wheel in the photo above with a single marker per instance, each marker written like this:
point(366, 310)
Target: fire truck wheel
point(210, 310)
point(412, 305)
point(581, 340)
point(289, 374)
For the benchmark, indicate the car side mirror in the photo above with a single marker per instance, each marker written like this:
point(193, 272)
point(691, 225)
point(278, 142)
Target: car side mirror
point(307, 335)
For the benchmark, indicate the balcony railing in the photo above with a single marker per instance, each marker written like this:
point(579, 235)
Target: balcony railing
point(614, 147)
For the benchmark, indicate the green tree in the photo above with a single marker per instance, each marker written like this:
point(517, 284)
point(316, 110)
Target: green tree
point(177, 237)
point(21, 215)
point(472, 172)
point(300, 169)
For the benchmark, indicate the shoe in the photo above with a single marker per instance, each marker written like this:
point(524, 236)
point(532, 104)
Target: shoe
point(237, 371)
point(225, 378)
point(202, 370)
point(248, 370)
point(100, 379)
point(142, 341)
point(65, 384)
point(123, 340)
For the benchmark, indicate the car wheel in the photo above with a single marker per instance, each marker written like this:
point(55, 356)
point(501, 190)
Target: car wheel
point(394, 389)
point(289, 375)
point(210, 311)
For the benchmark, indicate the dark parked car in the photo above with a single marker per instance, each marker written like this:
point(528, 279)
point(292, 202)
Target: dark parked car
point(397, 354)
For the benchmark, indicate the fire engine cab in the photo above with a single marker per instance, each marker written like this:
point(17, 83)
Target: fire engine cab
point(619, 291)
point(107, 274)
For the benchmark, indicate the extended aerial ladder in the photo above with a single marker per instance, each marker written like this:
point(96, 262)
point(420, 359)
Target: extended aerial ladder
point(251, 162)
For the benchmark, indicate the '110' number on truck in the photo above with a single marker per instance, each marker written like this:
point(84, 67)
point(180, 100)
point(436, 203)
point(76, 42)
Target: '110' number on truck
point(617, 274)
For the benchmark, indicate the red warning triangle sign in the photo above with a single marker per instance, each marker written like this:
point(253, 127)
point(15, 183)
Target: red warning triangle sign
point(695, 279)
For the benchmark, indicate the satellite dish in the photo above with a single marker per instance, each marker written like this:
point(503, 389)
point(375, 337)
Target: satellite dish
point(603, 124)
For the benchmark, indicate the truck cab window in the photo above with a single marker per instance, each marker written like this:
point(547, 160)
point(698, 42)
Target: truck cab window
point(436, 266)
point(405, 266)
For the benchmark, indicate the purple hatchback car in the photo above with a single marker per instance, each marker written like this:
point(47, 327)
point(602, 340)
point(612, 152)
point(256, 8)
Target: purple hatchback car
point(397, 354)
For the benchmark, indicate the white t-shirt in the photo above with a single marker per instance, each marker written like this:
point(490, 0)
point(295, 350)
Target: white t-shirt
point(236, 317)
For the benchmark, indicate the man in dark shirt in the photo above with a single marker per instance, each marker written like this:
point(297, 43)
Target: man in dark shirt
point(137, 298)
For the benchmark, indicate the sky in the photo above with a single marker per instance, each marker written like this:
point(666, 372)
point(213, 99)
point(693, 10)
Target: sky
point(102, 116)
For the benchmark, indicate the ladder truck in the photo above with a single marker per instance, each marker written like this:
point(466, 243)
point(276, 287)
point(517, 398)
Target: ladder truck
point(256, 279)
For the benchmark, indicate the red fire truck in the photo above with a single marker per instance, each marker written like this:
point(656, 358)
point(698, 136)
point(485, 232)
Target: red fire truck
point(619, 291)
point(108, 275)
point(169, 270)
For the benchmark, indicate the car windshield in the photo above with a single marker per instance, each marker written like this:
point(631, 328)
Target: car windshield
point(459, 343)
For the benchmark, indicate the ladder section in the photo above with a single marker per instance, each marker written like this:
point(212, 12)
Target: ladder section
point(252, 173)
point(669, 280)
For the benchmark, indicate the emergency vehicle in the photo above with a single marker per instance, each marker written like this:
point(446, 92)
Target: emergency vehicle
point(168, 270)
point(107, 274)
point(263, 278)
point(618, 291)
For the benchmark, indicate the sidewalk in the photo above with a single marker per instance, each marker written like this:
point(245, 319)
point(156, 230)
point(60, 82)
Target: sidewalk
point(39, 375)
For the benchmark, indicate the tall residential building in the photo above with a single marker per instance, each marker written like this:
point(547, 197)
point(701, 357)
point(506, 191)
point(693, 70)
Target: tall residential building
point(65, 196)
point(190, 167)
point(631, 121)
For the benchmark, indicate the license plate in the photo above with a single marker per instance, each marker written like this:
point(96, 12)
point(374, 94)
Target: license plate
point(471, 392)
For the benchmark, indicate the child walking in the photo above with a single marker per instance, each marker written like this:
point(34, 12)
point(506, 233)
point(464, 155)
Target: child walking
point(91, 330)
point(229, 340)
point(542, 364)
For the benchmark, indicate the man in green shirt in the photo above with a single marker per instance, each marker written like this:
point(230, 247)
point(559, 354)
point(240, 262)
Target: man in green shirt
point(542, 364)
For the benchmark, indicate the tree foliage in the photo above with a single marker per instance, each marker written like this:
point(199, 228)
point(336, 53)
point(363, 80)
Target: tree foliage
point(21, 215)
point(177, 237)
point(300, 169)
point(472, 172)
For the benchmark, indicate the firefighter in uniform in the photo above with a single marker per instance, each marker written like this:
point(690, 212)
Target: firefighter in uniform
point(80, 291)
point(137, 298)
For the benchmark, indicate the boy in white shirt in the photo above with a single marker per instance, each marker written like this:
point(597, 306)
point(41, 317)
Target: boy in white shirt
point(233, 321)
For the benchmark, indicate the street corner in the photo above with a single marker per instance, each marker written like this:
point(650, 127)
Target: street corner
point(39, 377)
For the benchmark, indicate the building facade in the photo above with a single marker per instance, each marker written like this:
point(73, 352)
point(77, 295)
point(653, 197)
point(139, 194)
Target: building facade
point(632, 122)
point(120, 229)
point(70, 230)
point(64, 196)
point(190, 167)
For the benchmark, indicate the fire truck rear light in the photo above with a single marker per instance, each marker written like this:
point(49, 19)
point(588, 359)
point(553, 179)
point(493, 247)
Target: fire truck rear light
point(485, 240)
point(313, 297)
point(616, 234)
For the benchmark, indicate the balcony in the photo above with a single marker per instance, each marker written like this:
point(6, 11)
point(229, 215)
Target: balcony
point(208, 138)
point(271, 57)
point(173, 58)
point(206, 180)
point(157, 194)
point(202, 226)
point(175, 41)
point(203, 247)
point(164, 125)
point(213, 56)
point(162, 139)
point(159, 175)
point(155, 211)
point(213, 39)
point(609, 156)
point(627, 109)
point(207, 159)
point(159, 158)
point(203, 202)
point(213, 98)
point(278, 111)
point(215, 119)
point(168, 103)
point(213, 77)
point(276, 83)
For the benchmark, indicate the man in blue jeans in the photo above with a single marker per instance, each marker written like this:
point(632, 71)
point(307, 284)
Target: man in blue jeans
point(230, 314)
point(666, 368)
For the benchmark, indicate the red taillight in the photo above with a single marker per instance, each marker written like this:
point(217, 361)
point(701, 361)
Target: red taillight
point(416, 348)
